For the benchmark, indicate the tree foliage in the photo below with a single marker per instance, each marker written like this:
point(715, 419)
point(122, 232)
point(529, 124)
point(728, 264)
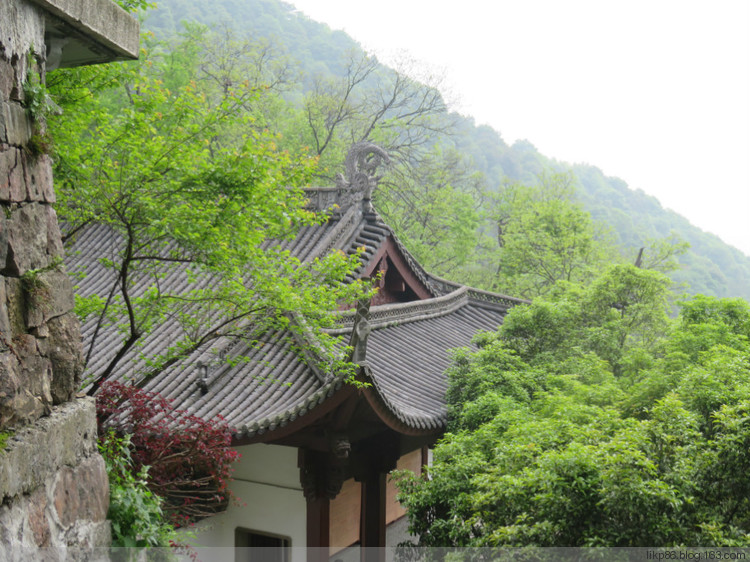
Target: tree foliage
point(557, 441)
point(436, 210)
point(544, 236)
point(315, 51)
point(174, 166)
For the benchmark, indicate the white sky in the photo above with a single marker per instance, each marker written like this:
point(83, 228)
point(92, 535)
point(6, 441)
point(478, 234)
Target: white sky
point(656, 92)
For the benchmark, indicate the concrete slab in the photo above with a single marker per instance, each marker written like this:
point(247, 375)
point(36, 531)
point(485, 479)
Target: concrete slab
point(88, 31)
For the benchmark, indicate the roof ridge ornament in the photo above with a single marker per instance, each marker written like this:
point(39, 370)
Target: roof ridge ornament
point(360, 180)
point(360, 331)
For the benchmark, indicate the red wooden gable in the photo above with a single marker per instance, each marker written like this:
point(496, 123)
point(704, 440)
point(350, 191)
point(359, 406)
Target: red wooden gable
point(396, 280)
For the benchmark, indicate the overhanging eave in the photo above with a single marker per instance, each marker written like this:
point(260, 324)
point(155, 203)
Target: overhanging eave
point(82, 32)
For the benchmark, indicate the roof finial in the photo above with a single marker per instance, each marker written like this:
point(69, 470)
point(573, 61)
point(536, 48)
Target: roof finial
point(360, 181)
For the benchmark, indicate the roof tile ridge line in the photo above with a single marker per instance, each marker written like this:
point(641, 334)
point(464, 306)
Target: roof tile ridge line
point(479, 296)
point(387, 315)
point(444, 283)
point(310, 349)
point(262, 425)
point(394, 409)
point(351, 238)
point(315, 191)
point(338, 234)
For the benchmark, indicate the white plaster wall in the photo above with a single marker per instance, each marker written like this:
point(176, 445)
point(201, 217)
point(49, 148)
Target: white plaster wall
point(269, 497)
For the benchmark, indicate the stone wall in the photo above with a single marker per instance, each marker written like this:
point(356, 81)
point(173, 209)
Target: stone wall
point(40, 350)
point(53, 482)
point(55, 491)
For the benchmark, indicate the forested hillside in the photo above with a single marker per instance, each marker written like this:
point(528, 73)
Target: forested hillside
point(710, 266)
point(442, 194)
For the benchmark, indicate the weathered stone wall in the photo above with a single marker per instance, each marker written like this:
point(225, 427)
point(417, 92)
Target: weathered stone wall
point(55, 492)
point(40, 354)
point(53, 482)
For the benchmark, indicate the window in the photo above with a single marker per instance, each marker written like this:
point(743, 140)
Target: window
point(253, 546)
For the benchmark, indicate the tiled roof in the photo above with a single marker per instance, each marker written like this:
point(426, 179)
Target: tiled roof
point(268, 385)
point(408, 352)
point(408, 360)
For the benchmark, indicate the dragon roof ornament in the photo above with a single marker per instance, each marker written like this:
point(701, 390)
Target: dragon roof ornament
point(360, 181)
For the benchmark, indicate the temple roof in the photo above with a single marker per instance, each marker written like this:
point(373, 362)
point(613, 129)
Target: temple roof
point(407, 350)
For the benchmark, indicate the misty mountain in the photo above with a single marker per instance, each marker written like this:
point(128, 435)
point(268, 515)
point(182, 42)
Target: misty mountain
point(710, 266)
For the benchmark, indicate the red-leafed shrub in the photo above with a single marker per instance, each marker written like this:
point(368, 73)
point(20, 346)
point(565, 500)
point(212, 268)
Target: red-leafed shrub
point(190, 458)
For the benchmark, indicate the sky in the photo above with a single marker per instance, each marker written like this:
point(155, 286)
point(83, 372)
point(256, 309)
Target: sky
point(654, 92)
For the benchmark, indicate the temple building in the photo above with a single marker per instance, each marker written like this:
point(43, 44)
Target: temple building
point(317, 450)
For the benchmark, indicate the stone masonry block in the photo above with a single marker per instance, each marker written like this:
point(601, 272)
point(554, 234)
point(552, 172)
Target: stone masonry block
point(50, 297)
point(7, 75)
point(16, 306)
point(93, 488)
point(9, 386)
point(5, 330)
point(37, 172)
point(62, 496)
point(27, 239)
point(35, 375)
point(62, 347)
point(53, 483)
point(67, 498)
point(24, 408)
point(64, 438)
point(21, 30)
point(38, 522)
point(3, 235)
point(12, 180)
point(82, 493)
point(12, 520)
point(23, 383)
point(15, 122)
point(54, 237)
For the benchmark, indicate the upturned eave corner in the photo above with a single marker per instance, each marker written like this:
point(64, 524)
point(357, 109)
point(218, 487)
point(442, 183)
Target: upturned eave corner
point(79, 32)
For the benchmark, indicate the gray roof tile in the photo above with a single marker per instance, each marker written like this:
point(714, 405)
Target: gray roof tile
point(408, 349)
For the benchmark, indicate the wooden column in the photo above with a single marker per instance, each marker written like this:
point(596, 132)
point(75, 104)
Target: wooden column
point(372, 522)
point(318, 529)
point(321, 476)
point(373, 463)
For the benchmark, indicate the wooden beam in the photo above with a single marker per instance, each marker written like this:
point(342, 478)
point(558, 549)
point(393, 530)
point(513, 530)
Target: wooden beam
point(371, 463)
point(312, 476)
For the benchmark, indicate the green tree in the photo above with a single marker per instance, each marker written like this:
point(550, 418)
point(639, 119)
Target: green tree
point(545, 237)
point(622, 313)
point(135, 512)
point(165, 170)
point(554, 449)
point(372, 103)
point(709, 267)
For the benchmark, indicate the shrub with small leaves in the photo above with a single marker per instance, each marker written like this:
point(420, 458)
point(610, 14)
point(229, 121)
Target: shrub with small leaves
point(135, 512)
